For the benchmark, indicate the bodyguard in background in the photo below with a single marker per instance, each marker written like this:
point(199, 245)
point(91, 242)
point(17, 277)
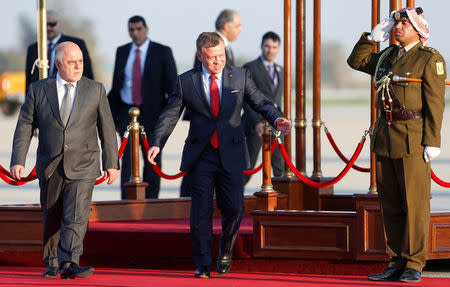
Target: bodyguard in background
point(407, 135)
point(54, 37)
point(269, 78)
point(144, 75)
point(72, 114)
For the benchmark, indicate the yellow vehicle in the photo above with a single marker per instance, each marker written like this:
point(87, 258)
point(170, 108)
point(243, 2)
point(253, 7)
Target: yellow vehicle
point(12, 91)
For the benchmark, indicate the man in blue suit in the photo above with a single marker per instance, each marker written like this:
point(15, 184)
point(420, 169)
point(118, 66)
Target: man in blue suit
point(214, 152)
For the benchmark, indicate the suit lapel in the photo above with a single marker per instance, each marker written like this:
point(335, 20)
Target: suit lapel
point(52, 96)
point(265, 74)
point(200, 91)
point(227, 78)
point(78, 102)
point(148, 62)
point(123, 62)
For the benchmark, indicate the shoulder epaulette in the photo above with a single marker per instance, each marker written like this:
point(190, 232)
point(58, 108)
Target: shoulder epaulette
point(429, 49)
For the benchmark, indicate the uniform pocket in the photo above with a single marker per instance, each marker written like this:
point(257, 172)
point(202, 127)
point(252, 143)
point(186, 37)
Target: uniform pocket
point(415, 134)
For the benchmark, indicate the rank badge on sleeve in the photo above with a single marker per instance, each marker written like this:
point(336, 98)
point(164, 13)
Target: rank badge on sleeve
point(439, 68)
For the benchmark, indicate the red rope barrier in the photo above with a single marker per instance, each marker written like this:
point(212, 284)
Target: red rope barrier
point(322, 184)
point(8, 178)
point(339, 153)
point(438, 180)
point(363, 169)
point(182, 173)
point(5, 174)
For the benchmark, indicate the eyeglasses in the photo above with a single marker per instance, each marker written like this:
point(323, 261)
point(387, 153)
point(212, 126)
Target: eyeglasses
point(52, 24)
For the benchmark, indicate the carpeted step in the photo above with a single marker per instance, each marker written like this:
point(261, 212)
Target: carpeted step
point(146, 242)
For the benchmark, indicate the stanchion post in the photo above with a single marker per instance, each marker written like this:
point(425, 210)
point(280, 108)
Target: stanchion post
point(267, 197)
point(135, 187)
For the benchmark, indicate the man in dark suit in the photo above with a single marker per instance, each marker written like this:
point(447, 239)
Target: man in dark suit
point(72, 113)
point(54, 37)
point(228, 26)
point(144, 74)
point(214, 152)
point(269, 78)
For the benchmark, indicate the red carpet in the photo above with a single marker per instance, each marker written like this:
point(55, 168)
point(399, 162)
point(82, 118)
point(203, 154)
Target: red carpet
point(30, 276)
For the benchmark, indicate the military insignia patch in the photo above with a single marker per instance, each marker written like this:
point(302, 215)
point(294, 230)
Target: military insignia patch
point(439, 68)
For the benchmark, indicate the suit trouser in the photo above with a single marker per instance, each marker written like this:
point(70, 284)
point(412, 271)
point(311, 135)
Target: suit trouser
point(149, 176)
point(404, 192)
point(207, 175)
point(66, 205)
point(254, 144)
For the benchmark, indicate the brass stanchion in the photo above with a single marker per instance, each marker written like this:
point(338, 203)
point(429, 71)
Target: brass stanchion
point(135, 187)
point(266, 198)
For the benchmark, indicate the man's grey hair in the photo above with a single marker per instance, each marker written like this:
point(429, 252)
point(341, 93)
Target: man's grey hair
point(59, 49)
point(58, 52)
point(226, 16)
point(53, 12)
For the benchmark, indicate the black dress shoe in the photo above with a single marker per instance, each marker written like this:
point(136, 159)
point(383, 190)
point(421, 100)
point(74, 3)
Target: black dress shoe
point(202, 272)
point(51, 272)
point(389, 274)
point(224, 263)
point(410, 275)
point(73, 271)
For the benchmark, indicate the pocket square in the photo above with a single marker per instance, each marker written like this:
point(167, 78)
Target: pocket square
point(235, 91)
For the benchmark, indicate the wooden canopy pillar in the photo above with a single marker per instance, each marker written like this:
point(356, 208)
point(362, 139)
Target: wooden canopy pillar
point(394, 5)
point(373, 108)
point(288, 184)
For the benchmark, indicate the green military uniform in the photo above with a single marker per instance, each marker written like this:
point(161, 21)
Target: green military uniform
point(403, 177)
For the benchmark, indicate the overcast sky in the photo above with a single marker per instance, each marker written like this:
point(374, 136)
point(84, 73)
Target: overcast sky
point(177, 23)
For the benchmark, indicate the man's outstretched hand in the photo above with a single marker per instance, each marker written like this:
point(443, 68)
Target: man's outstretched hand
point(284, 126)
point(113, 173)
point(152, 153)
point(17, 171)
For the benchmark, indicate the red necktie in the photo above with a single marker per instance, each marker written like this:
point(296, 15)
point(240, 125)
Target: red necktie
point(215, 104)
point(136, 87)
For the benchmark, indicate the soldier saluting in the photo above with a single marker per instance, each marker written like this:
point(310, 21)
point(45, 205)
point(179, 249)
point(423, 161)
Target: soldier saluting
point(406, 136)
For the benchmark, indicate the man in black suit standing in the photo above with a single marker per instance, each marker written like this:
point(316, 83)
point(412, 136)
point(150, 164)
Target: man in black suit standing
point(214, 151)
point(144, 74)
point(269, 78)
point(54, 37)
point(72, 113)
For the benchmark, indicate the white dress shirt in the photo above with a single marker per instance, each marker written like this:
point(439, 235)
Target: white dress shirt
point(207, 84)
point(61, 90)
point(126, 91)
